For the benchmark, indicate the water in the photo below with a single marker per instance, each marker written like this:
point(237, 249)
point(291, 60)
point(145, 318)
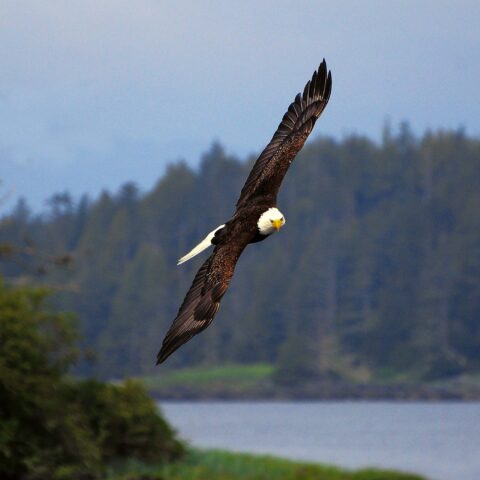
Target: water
point(438, 440)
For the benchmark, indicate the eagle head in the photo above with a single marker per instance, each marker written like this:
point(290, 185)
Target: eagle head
point(270, 221)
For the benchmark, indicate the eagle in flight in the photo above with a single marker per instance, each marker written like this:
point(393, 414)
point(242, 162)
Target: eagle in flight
point(256, 216)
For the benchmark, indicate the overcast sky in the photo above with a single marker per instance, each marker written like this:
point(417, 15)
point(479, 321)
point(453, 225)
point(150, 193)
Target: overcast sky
point(97, 93)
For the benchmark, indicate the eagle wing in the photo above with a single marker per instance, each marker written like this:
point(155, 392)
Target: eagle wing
point(272, 164)
point(203, 299)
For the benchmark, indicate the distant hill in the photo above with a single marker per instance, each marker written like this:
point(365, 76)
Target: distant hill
point(375, 275)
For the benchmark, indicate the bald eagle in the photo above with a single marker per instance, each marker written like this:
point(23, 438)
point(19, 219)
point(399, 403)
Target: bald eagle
point(256, 216)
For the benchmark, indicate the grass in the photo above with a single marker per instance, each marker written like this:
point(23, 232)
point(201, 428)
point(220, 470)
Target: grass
point(220, 465)
point(239, 376)
point(236, 381)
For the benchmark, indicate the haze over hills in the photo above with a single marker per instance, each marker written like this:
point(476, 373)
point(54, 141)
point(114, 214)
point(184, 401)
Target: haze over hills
point(376, 273)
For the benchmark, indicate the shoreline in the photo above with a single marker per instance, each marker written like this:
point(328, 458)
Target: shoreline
point(257, 382)
point(318, 392)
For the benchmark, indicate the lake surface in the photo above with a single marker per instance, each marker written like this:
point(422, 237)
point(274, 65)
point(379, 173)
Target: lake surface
point(438, 440)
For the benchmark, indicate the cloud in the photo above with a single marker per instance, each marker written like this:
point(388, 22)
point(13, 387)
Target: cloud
point(80, 78)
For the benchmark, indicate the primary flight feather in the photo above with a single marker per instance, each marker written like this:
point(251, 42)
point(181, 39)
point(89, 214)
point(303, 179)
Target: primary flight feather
point(256, 216)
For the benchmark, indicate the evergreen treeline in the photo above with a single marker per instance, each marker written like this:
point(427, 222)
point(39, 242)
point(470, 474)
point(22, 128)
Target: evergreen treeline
point(377, 270)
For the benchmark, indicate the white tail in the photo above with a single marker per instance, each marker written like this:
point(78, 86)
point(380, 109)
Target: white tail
point(204, 244)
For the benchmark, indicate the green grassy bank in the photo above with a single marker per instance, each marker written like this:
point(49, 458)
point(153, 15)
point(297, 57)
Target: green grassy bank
point(220, 465)
point(258, 381)
point(234, 378)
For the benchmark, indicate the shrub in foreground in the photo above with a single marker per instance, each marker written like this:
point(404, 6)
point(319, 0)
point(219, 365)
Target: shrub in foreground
point(125, 422)
point(52, 427)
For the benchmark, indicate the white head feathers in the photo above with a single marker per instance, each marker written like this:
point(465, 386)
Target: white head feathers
point(270, 221)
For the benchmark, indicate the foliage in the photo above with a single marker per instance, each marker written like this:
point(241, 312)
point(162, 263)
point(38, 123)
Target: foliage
point(125, 421)
point(37, 432)
point(377, 268)
point(52, 428)
point(219, 465)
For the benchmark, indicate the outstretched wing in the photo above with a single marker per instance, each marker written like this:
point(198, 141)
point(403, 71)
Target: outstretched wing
point(203, 299)
point(272, 164)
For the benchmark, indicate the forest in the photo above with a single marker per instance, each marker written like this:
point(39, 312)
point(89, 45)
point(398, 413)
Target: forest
point(376, 273)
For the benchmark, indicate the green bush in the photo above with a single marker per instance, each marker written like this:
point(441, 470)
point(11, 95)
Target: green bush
point(125, 422)
point(55, 428)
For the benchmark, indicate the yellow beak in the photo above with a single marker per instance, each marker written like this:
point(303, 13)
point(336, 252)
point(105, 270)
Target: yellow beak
point(277, 224)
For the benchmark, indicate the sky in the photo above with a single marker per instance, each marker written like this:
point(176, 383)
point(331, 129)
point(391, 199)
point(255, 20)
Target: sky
point(97, 93)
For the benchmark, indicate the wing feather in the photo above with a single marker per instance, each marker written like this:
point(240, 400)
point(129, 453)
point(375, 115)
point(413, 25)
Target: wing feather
point(297, 123)
point(202, 300)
